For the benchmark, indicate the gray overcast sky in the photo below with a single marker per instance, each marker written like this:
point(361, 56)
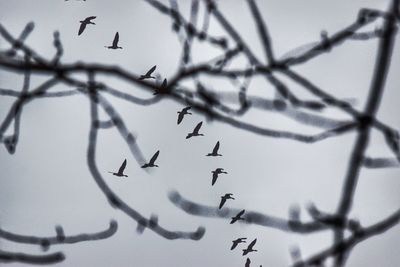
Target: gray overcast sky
point(46, 182)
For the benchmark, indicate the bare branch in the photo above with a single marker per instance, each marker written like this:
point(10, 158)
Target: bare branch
point(55, 240)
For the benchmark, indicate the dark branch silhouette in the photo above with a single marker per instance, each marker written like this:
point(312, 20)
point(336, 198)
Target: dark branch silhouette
point(215, 105)
point(46, 242)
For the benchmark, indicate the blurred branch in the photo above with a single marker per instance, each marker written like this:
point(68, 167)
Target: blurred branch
point(262, 31)
point(256, 218)
point(11, 257)
point(374, 163)
point(214, 104)
point(46, 242)
point(345, 245)
point(384, 53)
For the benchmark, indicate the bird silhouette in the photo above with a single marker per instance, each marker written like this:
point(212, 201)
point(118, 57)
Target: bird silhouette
point(247, 264)
point(224, 198)
point(115, 42)
point(214, 153)
point(237, 217)
point(216, 173)
point(152, 160)
point(250, 247)
point(162, 89)
point(237, 241)
point(195, 131)
point(148, 74)
point(120, 172)
point(182, 114)
point(85, 22)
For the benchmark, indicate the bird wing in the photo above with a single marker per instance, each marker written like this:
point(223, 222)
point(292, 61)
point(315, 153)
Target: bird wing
point(215, 150)
point(186, 109)
point(116, 39)
point(90, 18)
point(251, 245)
point(240, 213)
point(82, 28)
point(180, 117)
point(221, 204)
point(234, 245)
point(214, 178)
point(247, 263)
point(198, 126)
point(153, 159)
point(151, 70)
point(122, 168)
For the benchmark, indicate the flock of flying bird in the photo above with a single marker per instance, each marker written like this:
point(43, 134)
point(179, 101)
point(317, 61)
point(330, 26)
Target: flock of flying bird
point(88, 21)
point(194, 133)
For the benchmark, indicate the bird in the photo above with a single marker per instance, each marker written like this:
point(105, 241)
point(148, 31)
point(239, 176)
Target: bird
point(182, 114)
point(148, 74)
point(215, 174)
point(237, 241)
point(214, 153)
point(250, 247)
point(85, 22)
point(238, 217)
point(152, 160)
point(195, 131)
point(120, 172)
point(115, 43)
point(248, 261)
point(224, 198)
point(162, 89)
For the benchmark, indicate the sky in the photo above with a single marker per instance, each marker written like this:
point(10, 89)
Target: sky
point(47, 182)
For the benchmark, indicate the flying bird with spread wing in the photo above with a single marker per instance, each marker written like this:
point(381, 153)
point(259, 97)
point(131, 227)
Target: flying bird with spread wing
point(214, 153)
point(250, 247)
point(120, 172)
point(195, 131)
point(237, 217)
point(85, 22)
point(224, 198)
point(216, 173)
point(148, 74)
point(237, 242)
point(152, 161)
point(115, 43)
point(182, 114)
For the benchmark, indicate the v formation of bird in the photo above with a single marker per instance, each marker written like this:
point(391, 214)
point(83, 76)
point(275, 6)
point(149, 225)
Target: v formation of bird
point(215, 174)
point(195, 133)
